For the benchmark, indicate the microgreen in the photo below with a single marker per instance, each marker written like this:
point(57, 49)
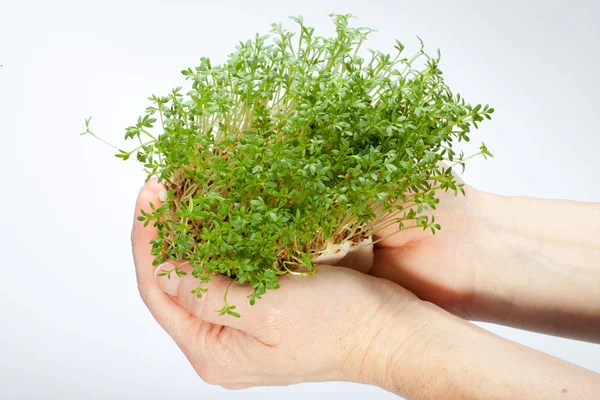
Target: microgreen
point(295, 142)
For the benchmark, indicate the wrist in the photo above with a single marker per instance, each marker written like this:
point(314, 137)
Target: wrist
point(447, 357)
point(416, 360)
point(398, 354)
point(521, 247)
point(492, 256)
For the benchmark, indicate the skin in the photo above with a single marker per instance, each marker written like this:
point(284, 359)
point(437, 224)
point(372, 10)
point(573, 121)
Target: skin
point(523, 262)
point(497, 259)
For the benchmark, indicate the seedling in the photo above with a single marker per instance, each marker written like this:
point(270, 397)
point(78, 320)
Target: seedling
point(295, 148)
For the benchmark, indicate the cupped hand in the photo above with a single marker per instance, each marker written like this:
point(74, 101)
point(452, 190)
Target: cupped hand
point(443, 267)
point(330, 326)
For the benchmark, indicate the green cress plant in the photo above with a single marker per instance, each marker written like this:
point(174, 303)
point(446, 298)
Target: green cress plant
point(296, 143)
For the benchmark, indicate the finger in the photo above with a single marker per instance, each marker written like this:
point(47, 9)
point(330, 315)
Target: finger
point(388, 265)
point(142, 235)
point(169, 315)
point(418, 268)
point(391, 236)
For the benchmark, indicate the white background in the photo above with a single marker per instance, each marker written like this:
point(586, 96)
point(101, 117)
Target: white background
point(72, 325)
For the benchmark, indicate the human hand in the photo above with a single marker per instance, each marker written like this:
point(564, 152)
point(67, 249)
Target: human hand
point(440, 268)
point(335, 325)
point(342, 325)
point(518, 261)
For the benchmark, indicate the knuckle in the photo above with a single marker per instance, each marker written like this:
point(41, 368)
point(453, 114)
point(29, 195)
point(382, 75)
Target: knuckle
point(219, 371)
point(210, 374)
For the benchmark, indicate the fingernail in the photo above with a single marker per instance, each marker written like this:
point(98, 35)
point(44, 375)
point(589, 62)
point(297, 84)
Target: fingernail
point(167, 283)
point(162, 194)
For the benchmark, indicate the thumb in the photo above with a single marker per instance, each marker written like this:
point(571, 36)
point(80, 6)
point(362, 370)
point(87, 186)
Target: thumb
point(220, 291)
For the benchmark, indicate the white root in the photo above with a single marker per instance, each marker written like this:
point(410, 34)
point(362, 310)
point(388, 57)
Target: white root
point(357, 256)
point(333, 253)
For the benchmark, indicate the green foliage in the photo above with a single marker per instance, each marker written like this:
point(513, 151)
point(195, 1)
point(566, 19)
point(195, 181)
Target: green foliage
point(296, 142)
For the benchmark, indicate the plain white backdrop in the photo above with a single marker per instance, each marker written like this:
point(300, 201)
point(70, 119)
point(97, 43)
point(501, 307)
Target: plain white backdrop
point(72, 324)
